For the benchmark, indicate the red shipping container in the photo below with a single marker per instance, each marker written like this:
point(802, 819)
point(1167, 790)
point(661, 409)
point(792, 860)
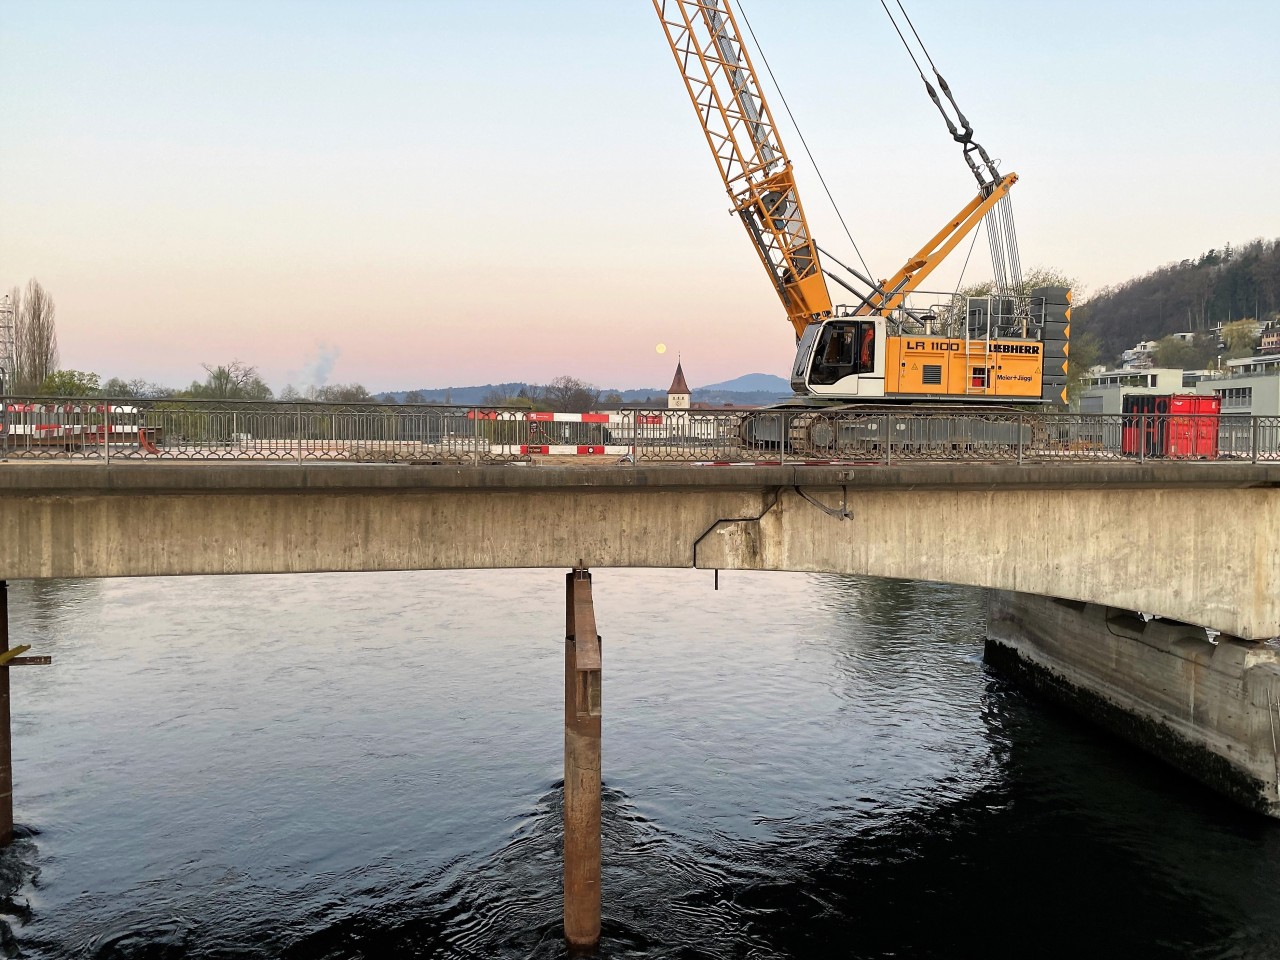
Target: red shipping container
point(1145, 424)
point(1171, 425)
point(1193, 426)
point(1208, 410)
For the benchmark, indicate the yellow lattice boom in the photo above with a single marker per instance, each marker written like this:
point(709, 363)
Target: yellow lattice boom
point(726, 93)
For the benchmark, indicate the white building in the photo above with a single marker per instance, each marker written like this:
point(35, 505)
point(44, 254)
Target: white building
point(1105, 391)
point(1140, 356)
point(1252, 386)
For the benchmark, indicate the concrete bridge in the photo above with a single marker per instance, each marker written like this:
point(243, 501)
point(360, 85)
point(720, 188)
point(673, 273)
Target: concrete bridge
point(1196, 542)
point(1079, 558)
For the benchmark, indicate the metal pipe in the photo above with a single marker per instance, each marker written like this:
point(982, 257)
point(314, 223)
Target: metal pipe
point(864, 297)
point(875, 287)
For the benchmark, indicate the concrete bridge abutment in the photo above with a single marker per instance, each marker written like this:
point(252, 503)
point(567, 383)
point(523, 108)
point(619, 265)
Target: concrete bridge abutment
point(1208, 705)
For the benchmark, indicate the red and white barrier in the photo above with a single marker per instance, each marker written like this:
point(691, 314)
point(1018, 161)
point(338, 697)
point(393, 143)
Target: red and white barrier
point(548, 416)
point(625, 428)
point(562, 450)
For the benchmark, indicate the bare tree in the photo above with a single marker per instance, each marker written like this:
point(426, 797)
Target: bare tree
point(234, 381)
point(340, 393)
point(571, 395)
point(499, 396)
point(35, 338)
point(135, 389)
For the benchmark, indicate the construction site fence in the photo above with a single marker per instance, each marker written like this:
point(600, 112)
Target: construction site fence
point(304, 432)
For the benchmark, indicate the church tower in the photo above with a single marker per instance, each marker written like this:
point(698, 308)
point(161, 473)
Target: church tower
point(678, 396)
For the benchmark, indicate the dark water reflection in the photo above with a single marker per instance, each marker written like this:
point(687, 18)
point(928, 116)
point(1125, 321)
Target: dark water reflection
point(368, 766)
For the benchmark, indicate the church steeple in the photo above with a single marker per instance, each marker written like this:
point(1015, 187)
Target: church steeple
point(678, 384)
point(679, 395)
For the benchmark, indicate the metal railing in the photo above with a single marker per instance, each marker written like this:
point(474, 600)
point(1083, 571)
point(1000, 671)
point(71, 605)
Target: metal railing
point(202, 430)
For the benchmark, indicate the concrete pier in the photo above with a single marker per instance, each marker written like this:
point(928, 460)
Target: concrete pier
point(1210, 707)
point(582, 710)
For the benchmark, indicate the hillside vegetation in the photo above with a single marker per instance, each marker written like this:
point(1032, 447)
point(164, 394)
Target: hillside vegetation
point(1220, 286)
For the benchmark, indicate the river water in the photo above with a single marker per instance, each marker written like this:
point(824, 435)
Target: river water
point(342, 766)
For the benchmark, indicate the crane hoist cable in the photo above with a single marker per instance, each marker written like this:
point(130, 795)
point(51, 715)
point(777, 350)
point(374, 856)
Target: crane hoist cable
point(809, 153)
point(1002, 236)
point(955, 297)
point(962, 134)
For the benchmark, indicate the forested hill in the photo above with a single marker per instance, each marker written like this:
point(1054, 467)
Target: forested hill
point(1220, 286)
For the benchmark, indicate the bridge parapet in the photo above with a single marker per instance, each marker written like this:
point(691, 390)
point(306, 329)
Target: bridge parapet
point(300, 432)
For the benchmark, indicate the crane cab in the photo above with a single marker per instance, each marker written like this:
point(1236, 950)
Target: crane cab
point(841, 357)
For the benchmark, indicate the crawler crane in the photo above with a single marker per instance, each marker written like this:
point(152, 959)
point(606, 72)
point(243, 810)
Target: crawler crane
point(1002, 349)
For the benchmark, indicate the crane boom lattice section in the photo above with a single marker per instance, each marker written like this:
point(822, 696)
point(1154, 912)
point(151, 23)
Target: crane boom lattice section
point(726, 93)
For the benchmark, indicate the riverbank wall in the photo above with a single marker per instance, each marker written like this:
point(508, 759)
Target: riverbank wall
point(1208, 705)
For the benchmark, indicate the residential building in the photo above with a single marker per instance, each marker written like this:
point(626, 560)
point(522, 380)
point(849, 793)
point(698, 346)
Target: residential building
point(1141, 356)
point(1250, 385)
point(1105, 391)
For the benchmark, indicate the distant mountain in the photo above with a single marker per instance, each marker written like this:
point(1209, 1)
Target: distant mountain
point(750, 383)
point(466, 396)
point(740, 398)
point(754, 389)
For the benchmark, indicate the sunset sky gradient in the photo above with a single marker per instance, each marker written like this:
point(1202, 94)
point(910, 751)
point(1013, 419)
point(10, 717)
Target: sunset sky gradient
point(424, 194)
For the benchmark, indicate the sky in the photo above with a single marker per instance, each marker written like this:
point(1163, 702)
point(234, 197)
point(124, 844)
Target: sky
point(418, 193)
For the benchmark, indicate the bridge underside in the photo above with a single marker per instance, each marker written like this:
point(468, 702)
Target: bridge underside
point(1192, 542)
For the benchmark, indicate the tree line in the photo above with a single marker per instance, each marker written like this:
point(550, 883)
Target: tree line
point(238, 380)
point(1219, 287)
point(563, 394)
point(235, 380)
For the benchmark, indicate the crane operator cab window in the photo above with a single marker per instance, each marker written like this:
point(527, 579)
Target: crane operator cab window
point(845, 348)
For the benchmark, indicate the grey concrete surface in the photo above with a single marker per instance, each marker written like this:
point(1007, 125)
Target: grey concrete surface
point(1193, 541)
point(1210, 708)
